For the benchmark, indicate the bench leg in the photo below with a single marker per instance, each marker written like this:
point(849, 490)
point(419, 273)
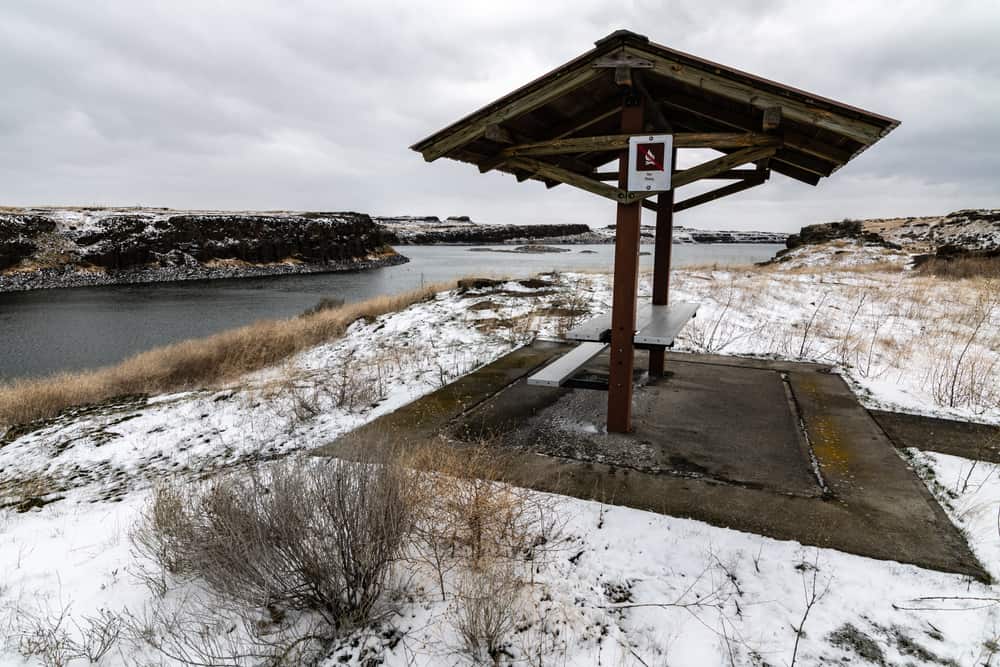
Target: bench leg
point(661, 264)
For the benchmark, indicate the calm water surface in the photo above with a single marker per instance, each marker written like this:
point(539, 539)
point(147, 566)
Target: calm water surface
point(46, 331)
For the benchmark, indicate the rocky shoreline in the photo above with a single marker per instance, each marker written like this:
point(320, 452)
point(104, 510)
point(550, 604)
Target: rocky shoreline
point(58, 278)
point(461, 230)
point(45, 248)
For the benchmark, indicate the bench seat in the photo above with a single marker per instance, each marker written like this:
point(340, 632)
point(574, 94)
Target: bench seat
point(655, 325)
point(563, 368)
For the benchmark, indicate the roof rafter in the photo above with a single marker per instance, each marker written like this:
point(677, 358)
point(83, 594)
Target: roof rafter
point(760, 99)
point(620, 141)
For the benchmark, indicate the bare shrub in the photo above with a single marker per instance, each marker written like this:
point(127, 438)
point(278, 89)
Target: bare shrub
point(98, 634)
point(963, 374)
point(316, 536)
point(160, 535)
point(470, 520)
point(487, 609)
point(196, 362)
point(197, 631)
point(46, 637)
point(56, 639)
point(713, 333)
point(298, 396)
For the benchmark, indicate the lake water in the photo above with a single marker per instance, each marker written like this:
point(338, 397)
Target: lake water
point(46, 331)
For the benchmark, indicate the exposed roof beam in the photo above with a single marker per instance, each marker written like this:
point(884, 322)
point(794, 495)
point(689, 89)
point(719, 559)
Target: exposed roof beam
point(555, 173)
point(720, 116)
point(719, 165)
point(612, 142)
point(719, 193)
point(792, 109)
point(471, 131)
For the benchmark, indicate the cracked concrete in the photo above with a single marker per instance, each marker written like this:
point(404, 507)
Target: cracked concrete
point(777, 448)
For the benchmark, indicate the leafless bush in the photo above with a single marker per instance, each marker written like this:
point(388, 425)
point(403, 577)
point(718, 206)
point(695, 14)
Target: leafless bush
point(297, 396)
point(358, 384)
point(487, 609)
point(812, 594)
point(470, 516)
point(46, 637)
point(56, 639)
point(98, 634)
point(197, 631)
point(964, 374)
point(160, 535)
point(807, 326)
point(449, 361)
point(715, 330)
point(298, 536)
point(572, 307)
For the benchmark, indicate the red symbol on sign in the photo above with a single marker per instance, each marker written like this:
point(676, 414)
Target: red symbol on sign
point(649, 157)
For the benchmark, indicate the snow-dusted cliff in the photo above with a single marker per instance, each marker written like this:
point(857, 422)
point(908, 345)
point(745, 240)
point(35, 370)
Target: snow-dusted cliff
point(66, 247)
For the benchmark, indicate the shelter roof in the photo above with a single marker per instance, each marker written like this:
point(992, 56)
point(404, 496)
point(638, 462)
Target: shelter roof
point(683, 93)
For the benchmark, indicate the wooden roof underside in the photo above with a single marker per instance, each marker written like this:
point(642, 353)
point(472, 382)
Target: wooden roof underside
point(690, 95)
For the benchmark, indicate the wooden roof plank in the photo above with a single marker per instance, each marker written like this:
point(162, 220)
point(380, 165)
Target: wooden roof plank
point(722, 116)
point(791, 108)
point(819, 134)
point(471, 131)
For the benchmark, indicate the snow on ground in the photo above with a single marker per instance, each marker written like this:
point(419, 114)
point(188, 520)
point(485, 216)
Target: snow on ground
point(624, 586)
point(841, 254)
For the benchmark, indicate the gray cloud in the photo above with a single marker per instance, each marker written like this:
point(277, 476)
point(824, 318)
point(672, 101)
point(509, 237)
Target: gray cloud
point(311, 105)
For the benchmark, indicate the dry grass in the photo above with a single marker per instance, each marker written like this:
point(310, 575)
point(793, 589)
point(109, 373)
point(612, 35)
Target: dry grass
point(962, 268)
point(194, 363)
point(938, 335)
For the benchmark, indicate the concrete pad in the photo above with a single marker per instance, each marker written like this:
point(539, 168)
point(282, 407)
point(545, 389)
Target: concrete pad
point(776, 448)
point(682, 426)
point(979, 442)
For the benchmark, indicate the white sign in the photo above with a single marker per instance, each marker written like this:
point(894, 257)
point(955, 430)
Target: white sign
point(649, 162)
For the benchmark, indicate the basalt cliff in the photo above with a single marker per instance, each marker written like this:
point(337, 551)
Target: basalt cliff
point(69, 247)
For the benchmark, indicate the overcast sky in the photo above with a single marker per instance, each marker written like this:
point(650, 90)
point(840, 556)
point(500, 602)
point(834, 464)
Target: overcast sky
point(312, 105)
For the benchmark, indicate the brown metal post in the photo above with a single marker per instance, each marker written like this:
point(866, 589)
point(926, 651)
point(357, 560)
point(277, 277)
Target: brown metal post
point(661, 263)
point(625, 288)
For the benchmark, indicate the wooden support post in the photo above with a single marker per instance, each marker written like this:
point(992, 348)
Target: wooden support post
point(661, 264)
point(625, 289)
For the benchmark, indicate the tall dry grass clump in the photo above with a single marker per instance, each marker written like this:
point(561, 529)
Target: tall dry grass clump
point(197, 362)
point(961, 268)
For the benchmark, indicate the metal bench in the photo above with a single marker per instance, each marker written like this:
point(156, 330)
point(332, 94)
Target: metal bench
point(656, 326)
point(664, 323)
point(563, 368)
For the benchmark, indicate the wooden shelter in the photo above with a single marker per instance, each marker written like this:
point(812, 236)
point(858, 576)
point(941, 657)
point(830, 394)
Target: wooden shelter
point(563, 127)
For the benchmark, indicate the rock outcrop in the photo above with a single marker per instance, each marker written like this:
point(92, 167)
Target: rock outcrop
point(969, 233)
point(67, 247)
point(460, 230)
point(828, 231)
point(18, 234)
